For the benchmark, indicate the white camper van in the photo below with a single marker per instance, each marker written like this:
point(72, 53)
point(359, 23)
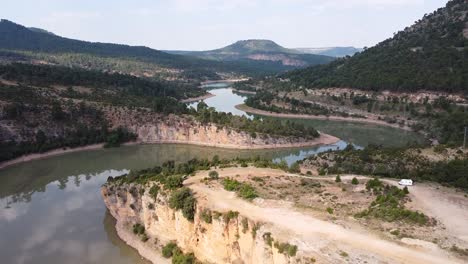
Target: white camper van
point(406, 182)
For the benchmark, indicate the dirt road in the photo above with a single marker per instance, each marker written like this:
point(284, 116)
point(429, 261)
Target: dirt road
point(315, 235)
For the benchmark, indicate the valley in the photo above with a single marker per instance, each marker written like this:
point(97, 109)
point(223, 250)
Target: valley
point(249, 152)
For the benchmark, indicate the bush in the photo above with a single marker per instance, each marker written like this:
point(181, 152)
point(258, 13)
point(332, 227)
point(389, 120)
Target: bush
point(374, 184)
point(245, 225)
point(268, 238)
point(295, 168)
point(189, 208)
point(286, 248)
point(247, 192)
point(183, 199)
point(138, 229)
point(230, 215)
point(354, 181)
point(214, 175)
point(206, 216)
point(405, 190)
point(338, 178)
point(173, 182)
point(330, 210)
point(154, 191)
point(244, 190)
point(167, 250)
point(180, 258)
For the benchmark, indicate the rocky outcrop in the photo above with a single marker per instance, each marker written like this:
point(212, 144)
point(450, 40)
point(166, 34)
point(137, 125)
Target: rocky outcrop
point(234, 239)
point(175, 129)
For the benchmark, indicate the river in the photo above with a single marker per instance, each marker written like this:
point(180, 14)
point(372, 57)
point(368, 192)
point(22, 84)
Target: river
point(51, 210)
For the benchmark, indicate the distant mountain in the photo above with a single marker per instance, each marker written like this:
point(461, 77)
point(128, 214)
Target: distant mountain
point(42, 45)
point(331, 51)
point(432, 54)
point(258, 50)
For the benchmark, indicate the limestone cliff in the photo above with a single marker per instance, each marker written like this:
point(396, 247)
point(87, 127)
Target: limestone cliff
point(176, 129)
point(234, 239)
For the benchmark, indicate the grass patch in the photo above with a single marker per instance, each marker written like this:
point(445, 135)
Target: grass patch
point(244, 190)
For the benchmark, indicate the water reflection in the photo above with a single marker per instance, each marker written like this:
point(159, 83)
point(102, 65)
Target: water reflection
point(60, 225)
point(225, 100)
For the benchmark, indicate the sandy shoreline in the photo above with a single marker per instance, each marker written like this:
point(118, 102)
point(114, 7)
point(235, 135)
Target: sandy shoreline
point(324, 139)
point(55, 152)
point(225, 81)
point(244, 91)
point(251, 110)
point(199, 98)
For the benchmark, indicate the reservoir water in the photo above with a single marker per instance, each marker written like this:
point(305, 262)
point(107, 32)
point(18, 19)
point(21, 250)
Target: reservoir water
point(51, 210)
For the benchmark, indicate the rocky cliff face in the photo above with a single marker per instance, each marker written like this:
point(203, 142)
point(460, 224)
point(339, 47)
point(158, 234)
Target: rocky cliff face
point(175, 129)
point(234, 239)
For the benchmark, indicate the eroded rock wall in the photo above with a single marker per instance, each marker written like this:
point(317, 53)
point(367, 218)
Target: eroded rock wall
point(221, 241)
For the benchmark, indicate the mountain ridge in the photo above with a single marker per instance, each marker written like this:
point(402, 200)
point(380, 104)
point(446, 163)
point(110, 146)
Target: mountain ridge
point(259, 50)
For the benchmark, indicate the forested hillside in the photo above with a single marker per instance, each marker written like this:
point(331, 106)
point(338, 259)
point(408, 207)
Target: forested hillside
point(48, 107)
point(432, 54)
point(265, 53)
point(38, 44)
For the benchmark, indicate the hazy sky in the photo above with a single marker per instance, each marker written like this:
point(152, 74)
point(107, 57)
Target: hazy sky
point(209, 24)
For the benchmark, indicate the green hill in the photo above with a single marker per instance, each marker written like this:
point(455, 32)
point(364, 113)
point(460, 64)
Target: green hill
point(40, 44)
point(261, 52)
point(432, 54)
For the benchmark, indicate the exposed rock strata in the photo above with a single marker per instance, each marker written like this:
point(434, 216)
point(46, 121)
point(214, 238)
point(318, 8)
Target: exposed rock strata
point(222, 241)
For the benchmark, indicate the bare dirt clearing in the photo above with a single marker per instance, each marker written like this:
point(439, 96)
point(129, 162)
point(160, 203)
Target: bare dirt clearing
point(313, 231)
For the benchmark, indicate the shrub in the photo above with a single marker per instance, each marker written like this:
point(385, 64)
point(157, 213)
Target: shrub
point(268, 238)
point(354, 181)
point(230, 215)
point(245, 225)
point(188, 210)
point(330, 210)
point(231, 184)
point(173, 182)
point(374, 184)
point(154, 191)
point(338, 178)
point(214, 175)
point(286, 248)
point(295, 168)
point(322, 172)
point(244, 190)
point(138, 229)
point(255, 228)
point(167, 250)
point(183, 199)
point(206, 216)
point(180, 258)
point(247, 192)
point(405, 190)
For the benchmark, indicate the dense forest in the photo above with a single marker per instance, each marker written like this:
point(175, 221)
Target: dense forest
point(429, 55)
